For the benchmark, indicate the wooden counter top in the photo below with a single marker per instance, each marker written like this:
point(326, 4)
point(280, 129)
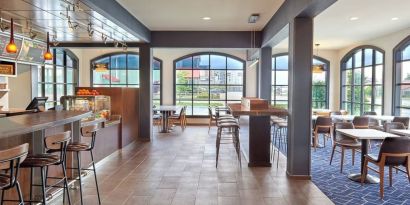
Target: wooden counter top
point(22, 124)
point(238, 109)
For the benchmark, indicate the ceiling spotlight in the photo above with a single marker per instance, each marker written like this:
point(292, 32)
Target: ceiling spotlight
point(354, 18)
point(72, 25)
point(253, 18)
point(54, 40)
point(206, 18)
point(3, 26)
point(90, 30)
point(116, 43)
point(32, 34)
point(394, 18)
point(104, 38)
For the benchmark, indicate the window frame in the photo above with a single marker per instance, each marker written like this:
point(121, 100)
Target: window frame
point(397, 61)
point(54, 83)
point(343, 68)
point(109, 55)
point(315, 57)
point(226, 56)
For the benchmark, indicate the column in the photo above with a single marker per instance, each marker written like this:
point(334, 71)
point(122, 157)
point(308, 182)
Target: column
point(300, 97)
point(265, 73)
point(145, 94)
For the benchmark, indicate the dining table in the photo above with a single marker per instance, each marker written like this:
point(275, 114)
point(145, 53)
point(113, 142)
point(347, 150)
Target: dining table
point(344, 118)
point(166, 111)
point(365, 135)
point(383, 118)
point(403, 132)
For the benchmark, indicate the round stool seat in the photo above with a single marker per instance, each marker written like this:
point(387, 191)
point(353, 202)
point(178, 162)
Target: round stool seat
point(4, 181)
point(228, 125)
point(40, 160)
point(282, 124)
point(78, 146)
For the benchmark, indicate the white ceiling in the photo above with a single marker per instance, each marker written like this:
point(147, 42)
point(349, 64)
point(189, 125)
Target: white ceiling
point(226, 15)
point(335, 30)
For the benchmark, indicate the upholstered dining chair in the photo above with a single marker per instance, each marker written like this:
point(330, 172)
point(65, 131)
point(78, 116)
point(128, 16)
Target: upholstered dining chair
point(361, 122)
point(212, 117)
point(373, 123)
point(404, 120)
point(179, 118)
point(393, 125)
point(393, 152)
point(344, 142)
point(323, 126)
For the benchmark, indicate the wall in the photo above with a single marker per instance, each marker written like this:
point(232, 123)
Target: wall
point(20, 87)
point(4, 96)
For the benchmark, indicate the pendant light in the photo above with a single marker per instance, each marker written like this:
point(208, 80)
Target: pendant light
point(11, 47)
point(101, 67)
point(47, 54)
point(318, 68)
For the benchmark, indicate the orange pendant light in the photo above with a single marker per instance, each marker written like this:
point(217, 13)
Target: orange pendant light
point(11, 47)
point(47, 54)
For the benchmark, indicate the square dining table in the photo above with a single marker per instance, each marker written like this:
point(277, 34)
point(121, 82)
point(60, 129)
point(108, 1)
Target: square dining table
point(364, 135)
point(166, 111)
point(403, 132)
point(344, 118)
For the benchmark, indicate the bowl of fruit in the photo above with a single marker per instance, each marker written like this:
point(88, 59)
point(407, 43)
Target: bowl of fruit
point(87, 92)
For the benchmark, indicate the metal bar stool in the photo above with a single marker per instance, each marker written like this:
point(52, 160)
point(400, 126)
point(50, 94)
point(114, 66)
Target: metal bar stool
point(56, 146)
point(233, 127)
point(10, 161)
point(77, 147)
point(279, 137)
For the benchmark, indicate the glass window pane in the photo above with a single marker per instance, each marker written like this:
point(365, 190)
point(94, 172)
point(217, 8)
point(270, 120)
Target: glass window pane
point(70, 62)
point(156, 92)
point(347, 77)
point(60, 74)
point(368, 57)
point(59, 57)
point(378, 95)
point(218, 77)
point(60, 92)
point(273, 77)
point(118, 62)
point(357, 94)
point(367, 78)
point(234, 64)
point(118, 77)
point(156, 76)
point(367, 107)
point(379, 57)
point(282, 62)
point(349, 63)
point(183, 77)
point(217, 103)
point(357, 76)
point(281, 92)
point(405, 72)
point(281, 104)
point(405, 96)
point(185, 103)
point(155, 64)
point(218, 93)
point(183, 92)
point(367, 94)
point(39, 90)
point(319, 93)
point(70, 75)
point(49, 91)
point(133, 61)
point(49, 74)
point(378, 109)
point(356, 109)
point(235, 92)
point(235, 77)
point(133, 76)
point(184, 63)
point(201, 62)
point(319, 78)
point(200, 76)
point(347, 93)
point(281, 77)
point(406, 53)
point(200, 92)
point(218, 62)
point(358, 59)
point(40, 74)
point(70, 89)
point(101, 77)
point(103, 60)
point(379, 74)
point(200, 108)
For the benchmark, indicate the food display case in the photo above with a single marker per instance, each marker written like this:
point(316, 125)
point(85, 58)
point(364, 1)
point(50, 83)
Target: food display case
point(100, 105)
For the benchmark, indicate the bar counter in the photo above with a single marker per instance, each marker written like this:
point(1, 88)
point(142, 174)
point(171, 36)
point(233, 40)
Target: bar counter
point(256, 148)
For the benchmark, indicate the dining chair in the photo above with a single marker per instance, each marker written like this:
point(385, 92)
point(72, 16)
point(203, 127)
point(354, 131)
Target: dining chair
point(393, 152)
point(404, 120)
point(212, 117)
point(361, 122)
point(373, 123)
point(344, 142)
point(335, 113)
point(179, 118)
point(323, 126)
point(393, 125)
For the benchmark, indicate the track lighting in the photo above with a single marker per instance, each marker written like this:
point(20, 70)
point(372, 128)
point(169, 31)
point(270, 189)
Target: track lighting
point(116, 43)
point(55, 41)
point(104, 38)
point(3, 26)
point(72, 25)
point(32, 34)
point(90, 30)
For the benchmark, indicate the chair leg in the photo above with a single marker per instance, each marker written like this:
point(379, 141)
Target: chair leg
point(43, 188)
point(63, 166)
point(217, 145)
point(31, 185)
point(95, 177)
point(333, 152)
point(390, 176)
point(408, 169)
point(2, 196)
point(18, 189)
point(80, 177)
point(342, 159)
point(353, 154)
point(381, 173)
point(364, 174)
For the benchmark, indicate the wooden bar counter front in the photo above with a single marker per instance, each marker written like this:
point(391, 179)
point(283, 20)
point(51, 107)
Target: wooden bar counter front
point(257, 152)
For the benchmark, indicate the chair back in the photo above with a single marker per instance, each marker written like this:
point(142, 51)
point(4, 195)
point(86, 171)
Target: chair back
point(323, 124)
point(372, 122)
point(395, 146)
point(341, 125)
point(404, 120)
point(210, 111)
point(393, 125)
point(90, 131)
point(58, 144)
point(361, 122)
point(370, 113)
point(10, 161)
point(335, 113)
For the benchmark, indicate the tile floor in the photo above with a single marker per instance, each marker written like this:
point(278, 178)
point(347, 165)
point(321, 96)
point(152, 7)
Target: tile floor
point(179, 169)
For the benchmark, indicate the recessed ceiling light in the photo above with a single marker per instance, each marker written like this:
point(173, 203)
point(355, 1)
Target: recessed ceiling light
point(354, 18)
point(394, 18)
point(206, 18)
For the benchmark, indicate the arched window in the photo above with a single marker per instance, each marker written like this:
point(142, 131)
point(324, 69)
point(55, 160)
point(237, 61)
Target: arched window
point(320, 85)
point(57, 77)
point(123, 71)
point(208, 79)
point(402, 78)
point(362, 80)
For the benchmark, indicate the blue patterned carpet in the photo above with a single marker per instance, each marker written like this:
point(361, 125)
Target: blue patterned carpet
point(341, 190)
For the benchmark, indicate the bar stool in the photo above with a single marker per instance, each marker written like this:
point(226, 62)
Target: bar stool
point(222, 138)
point(278, 137)
point(10, 161)
point(77, 147)
point(56, 146)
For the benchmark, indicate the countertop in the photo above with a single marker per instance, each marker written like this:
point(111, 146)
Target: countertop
point(22, 124)
point(238, 109)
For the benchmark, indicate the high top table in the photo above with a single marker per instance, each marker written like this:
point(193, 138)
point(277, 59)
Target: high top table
point(259, 133)
point(365, 135)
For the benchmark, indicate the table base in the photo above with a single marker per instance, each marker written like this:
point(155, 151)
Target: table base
point(369, 178)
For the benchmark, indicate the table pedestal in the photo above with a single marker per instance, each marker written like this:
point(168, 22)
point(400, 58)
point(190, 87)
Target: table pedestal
point(165, 115)
point(357, 176)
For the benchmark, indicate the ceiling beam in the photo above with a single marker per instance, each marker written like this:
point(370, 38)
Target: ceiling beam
point(113, 11)
point(286, 13)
